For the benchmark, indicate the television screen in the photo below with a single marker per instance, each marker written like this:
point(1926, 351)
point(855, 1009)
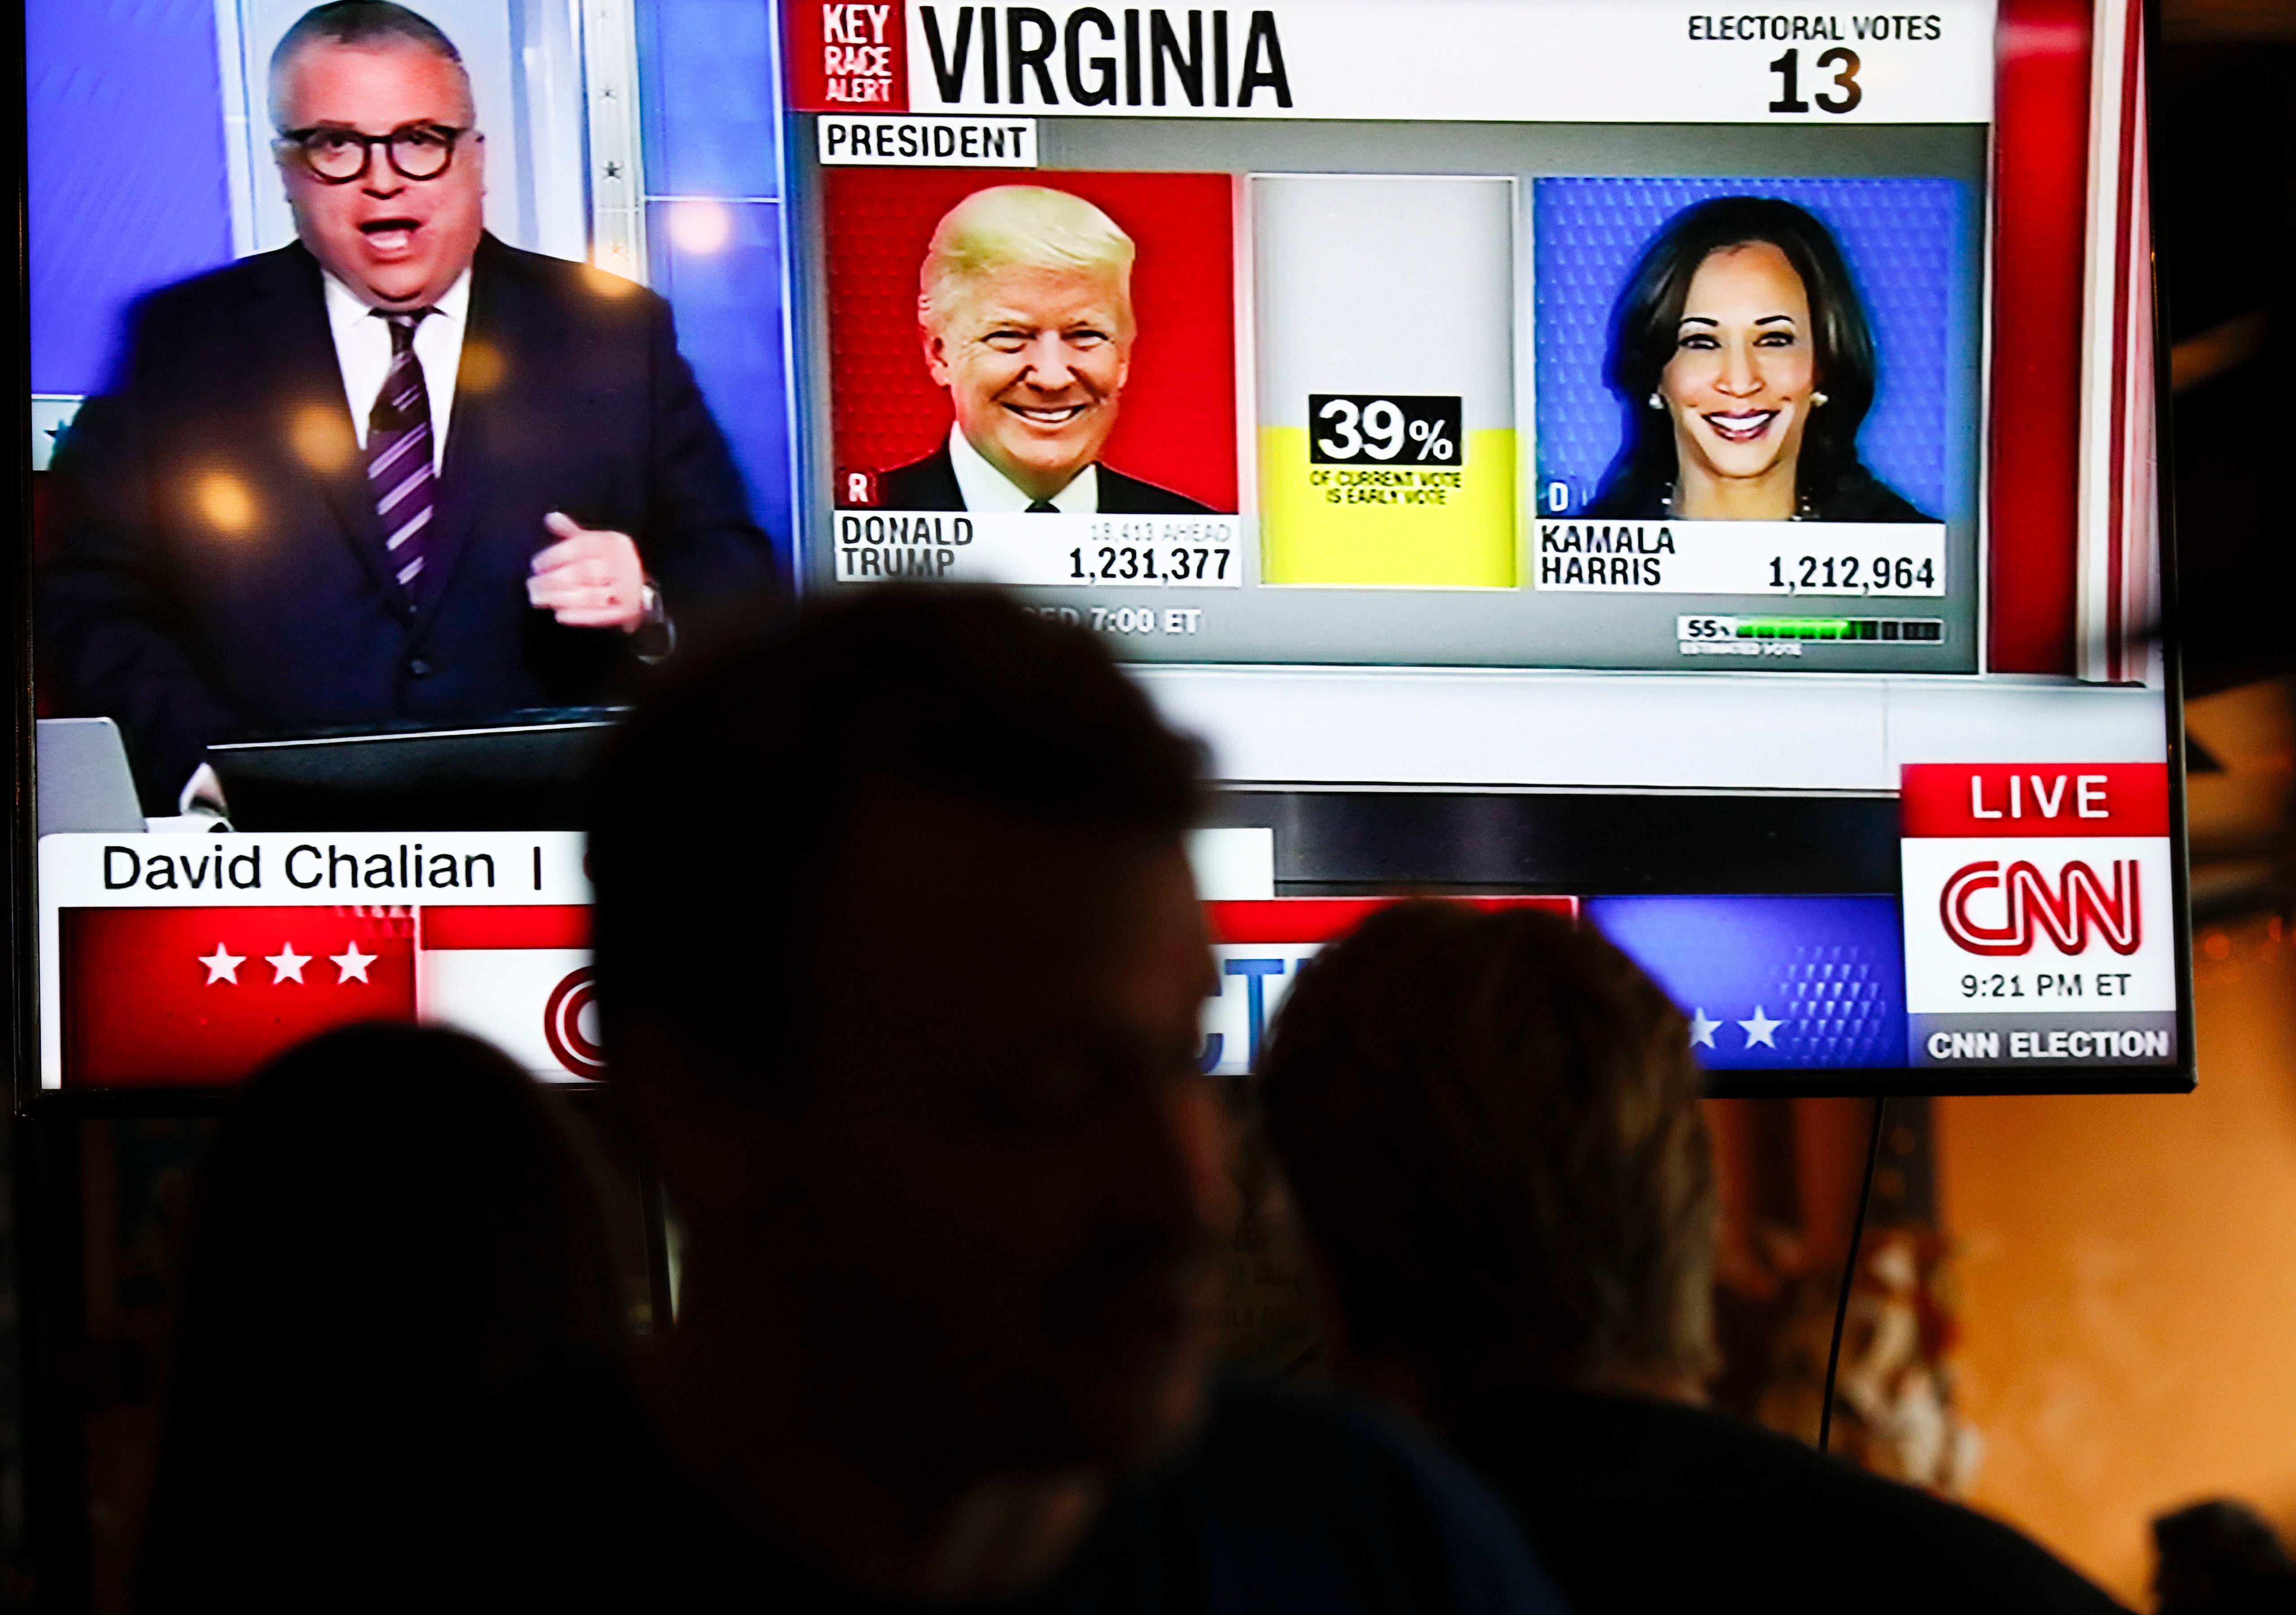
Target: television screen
point(1693, 470)
point(1692, 466)
point(405, 380)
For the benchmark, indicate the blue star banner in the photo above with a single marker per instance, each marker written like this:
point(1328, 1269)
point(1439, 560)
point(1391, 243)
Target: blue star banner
point(1773, 983)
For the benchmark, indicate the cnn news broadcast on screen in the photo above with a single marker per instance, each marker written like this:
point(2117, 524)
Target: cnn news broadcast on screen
point(1694, 469)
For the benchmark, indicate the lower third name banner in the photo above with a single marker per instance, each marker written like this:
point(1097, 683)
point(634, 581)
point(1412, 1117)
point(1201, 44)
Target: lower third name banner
point(154, 997)
point(189, 960)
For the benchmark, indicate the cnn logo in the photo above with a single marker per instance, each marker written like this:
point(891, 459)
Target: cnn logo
point(2064, 913)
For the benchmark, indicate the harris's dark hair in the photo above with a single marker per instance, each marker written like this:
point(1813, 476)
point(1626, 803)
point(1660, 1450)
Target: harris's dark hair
point(1492, 1129)
point(721, 817)
point(1645, 327)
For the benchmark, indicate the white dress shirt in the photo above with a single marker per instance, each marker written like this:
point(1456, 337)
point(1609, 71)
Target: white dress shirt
point(362, 354)
point(987, 489)
point(363, 350)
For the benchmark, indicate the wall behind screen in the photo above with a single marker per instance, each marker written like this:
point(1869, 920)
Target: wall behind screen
point(2128, 1281)
point(128, 189)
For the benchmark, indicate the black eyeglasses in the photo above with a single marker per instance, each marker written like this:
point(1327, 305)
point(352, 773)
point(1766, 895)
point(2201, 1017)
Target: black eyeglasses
point(337, 156)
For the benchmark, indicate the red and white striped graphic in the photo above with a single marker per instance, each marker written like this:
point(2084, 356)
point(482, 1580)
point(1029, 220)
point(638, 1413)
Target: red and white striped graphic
point(519, 977)
point(187, 960)
point(201, 997)
point(2120, 579)
point(1260, 947)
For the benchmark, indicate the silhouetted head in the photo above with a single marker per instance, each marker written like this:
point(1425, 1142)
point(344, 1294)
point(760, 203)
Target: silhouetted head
point(1490, 1123)
point(2220, 1558)
point(899, 963)
point(389, 1228)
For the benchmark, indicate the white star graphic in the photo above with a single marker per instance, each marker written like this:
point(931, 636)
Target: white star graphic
point(287, 965)
point(223, 967)
point(1701, 1029)
point(1761, 1029)
point(352, 962)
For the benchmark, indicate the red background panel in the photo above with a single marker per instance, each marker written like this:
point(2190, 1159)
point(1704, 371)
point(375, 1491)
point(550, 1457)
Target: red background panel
point(1936, 799)
point(459, 925)
point(842, 59)
point(139, 1011)
point(1321, 919)
point(1178, 424)
point(2040, 222)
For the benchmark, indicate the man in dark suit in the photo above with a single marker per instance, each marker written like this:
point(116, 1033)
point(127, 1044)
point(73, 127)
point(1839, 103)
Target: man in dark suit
point(396, 472)
point(1025, 310)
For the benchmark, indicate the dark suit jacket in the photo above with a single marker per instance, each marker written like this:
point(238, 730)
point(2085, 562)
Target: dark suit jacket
point(220, 569)
point(929, 484)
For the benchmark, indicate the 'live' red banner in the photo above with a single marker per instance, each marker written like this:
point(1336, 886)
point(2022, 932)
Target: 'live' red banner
point(2035, 798)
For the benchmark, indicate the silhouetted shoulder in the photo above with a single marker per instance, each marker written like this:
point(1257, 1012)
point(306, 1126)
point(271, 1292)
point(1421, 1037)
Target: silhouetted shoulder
point(1295, 1501)
point(1633, 1504)
point(1287, 1504)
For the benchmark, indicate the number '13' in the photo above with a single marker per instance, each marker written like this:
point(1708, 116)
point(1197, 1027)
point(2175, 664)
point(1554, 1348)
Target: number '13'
point(1788, 67)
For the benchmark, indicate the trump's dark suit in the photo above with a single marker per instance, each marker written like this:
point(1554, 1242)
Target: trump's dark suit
point(930, 484)
point(220, 567)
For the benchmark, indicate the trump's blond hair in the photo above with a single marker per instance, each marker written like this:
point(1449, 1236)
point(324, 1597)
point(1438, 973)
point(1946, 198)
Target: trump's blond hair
point(1025, 226)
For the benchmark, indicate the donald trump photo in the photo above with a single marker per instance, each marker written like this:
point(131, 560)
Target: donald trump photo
point(1024, 309)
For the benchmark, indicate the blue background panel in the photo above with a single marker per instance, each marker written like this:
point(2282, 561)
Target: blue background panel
point(126, 188)
point(1829, 970)
point(128, 191)
point(710, 98)
point(728, 306)
point(1903, 239)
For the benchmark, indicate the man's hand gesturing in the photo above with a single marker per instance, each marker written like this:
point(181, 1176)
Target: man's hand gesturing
point(589, 580)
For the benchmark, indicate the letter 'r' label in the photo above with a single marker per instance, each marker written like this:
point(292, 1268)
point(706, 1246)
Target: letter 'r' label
point(2039, 912)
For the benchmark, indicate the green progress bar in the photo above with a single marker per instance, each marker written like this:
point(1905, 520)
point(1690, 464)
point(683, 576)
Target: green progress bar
point(1917, 629)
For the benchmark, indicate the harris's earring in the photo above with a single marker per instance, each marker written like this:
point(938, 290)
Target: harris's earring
point(1817, 400)
point(1656, 402)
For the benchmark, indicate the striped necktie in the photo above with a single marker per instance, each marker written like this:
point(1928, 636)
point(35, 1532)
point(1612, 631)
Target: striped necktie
point(398, 453)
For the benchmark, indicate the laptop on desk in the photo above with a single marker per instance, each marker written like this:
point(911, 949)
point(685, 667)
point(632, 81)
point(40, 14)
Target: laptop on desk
point(525, 773)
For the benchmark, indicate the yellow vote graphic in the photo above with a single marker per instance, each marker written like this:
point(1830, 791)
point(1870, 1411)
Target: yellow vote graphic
point(1385, 308)
point(1399, 524)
